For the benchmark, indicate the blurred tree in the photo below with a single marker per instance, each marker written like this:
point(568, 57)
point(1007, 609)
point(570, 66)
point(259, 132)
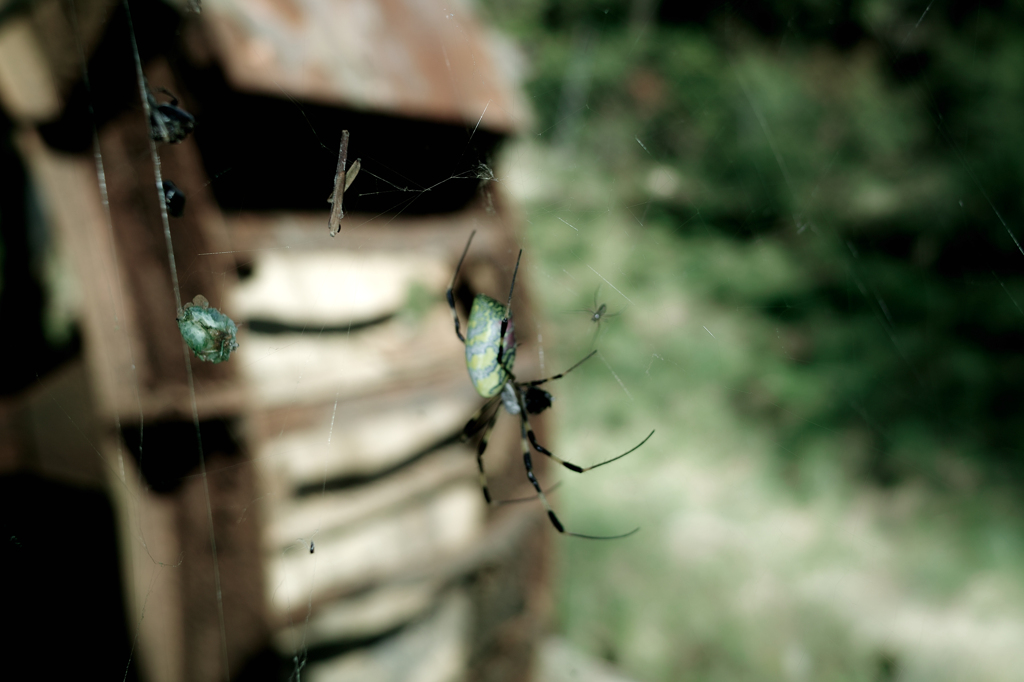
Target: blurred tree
point(876, 144)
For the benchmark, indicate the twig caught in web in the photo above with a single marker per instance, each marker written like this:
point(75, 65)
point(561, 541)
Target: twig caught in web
point(343, 178)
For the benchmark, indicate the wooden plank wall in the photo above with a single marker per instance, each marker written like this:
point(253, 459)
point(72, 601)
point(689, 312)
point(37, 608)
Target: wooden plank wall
point(357, 399)
point(355, 390)
point(336, 423)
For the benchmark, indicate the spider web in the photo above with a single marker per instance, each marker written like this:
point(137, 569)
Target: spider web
point(771, 495)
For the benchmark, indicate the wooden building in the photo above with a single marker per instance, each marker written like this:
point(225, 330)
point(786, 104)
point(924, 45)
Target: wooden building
point(330, 526)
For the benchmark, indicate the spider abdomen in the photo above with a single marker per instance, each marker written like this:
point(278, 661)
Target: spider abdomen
point(483, 337)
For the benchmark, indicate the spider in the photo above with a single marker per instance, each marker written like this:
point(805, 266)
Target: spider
point(490, 354)
point(597, 314)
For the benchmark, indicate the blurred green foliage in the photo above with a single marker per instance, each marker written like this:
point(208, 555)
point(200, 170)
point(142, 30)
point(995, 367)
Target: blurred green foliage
point(807, 213)
point(869, 156)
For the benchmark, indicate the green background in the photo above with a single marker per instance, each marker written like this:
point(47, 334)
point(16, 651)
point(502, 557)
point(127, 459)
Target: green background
point(806, 215)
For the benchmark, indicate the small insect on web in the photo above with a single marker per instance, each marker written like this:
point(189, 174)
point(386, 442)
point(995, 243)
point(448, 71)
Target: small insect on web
point(490, 354)
point(168, 122)
point(343, 179)
point(207, 331)
point(174, 198)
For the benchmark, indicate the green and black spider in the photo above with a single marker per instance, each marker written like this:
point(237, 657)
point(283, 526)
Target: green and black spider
point(490, 354)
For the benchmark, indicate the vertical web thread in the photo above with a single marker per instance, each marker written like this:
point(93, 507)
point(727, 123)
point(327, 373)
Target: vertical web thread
point(188, 362)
